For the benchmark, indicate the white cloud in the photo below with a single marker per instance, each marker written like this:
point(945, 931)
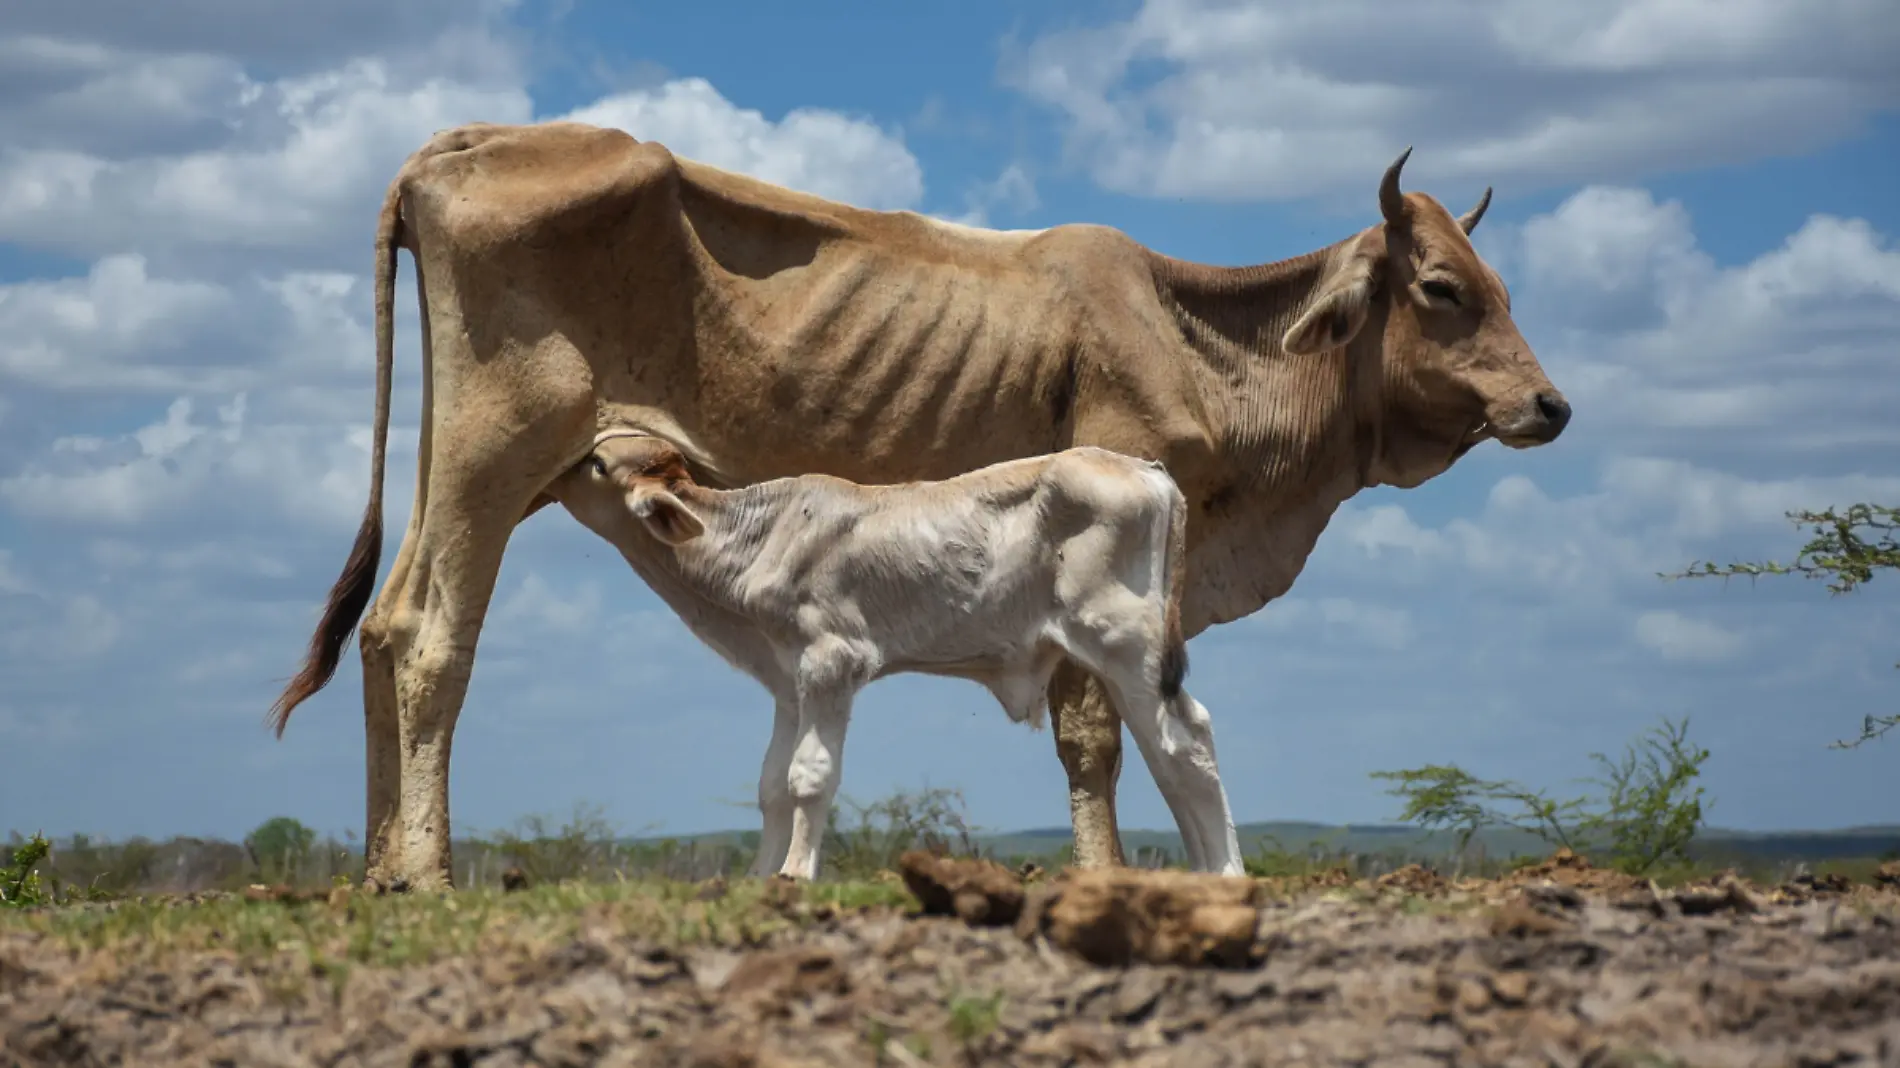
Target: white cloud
point(810, 149)
point(1659, 347)
point(1224, 99)
point(75, 628)
point(10, 580)
point(1341, 620)
point(282, 34)
point(116, 328)
point(181, 468)
point(1644, 516)
point(1674, 636)
point(538, 604)
point(1012, 190)
point(303, 166)
point(80, 95)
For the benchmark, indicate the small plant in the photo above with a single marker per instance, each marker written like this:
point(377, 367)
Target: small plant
point(1649, 812)
point(1271, 859)
point(585, 846)
point(20, 885)
point(1847, 547)
point(972, 1016)
point(882, 831)
point(1652, 807)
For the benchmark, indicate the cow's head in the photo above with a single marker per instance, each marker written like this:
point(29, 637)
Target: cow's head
point(1448, 367)
point(630, 479)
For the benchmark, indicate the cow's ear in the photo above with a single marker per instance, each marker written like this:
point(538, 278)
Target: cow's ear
point(1335, 316)
point(664, 514)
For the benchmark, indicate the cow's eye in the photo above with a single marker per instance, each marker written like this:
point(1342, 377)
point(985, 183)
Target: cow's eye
point(1440, 291)
point(600, 467)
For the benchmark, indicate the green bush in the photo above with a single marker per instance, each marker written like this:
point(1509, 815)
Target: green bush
point(1848, 547)
point(20, 884)
point(880, 832)
point(1648, 813)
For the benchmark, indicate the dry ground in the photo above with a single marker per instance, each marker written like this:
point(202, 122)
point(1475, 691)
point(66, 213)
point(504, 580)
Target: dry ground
point(1561, 964)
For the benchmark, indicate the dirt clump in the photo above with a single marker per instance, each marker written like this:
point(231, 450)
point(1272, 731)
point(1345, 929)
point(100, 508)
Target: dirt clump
point(1113, 917)
point(1726, 892)
point(977, 891)
point(1567, 867)
point(1413, 879)
point(1888, 875)
point(283, 893)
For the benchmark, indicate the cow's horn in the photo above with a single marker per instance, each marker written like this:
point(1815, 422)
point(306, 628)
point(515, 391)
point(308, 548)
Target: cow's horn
point(1469, 220)
point(1391, 204)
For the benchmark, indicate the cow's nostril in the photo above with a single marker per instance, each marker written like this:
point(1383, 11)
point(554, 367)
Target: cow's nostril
point(1554, 409)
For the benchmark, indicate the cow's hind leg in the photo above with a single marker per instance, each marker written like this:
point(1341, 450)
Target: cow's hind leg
point(382, 740)
point(430, 629)
point(1089, 740)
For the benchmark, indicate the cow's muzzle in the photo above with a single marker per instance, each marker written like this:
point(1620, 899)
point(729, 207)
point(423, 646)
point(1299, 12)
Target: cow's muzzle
point(1538, 422)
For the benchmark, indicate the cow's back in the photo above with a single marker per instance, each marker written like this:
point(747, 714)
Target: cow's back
point(770, 332)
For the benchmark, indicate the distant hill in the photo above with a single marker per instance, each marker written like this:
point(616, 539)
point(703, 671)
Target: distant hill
point(1409, 842)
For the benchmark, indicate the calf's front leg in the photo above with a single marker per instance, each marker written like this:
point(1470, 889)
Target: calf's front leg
point(775, 792)
point(817, 766)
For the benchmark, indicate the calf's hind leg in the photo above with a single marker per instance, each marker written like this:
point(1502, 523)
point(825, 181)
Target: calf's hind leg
point(1176, 740)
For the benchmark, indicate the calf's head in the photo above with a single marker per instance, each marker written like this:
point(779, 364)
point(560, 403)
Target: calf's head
point(630, 482)
point(1428, 325)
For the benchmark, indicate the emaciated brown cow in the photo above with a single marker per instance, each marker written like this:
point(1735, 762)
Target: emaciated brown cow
point(573, 279)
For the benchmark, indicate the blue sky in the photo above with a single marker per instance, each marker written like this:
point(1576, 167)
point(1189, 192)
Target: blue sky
point(1696, 217)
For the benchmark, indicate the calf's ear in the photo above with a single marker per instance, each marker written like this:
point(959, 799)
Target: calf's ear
point(1335, 316)
point(665, 515)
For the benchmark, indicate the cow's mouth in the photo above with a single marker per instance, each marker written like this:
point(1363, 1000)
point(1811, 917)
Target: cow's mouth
point(1472, 438)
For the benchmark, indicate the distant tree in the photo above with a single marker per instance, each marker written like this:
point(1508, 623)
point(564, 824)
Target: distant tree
point(1847, 548)
point(279, 846)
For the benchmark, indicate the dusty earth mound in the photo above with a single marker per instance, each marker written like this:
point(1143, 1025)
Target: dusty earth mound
point(1413, 879)
point(1549, 974)
point(1568, 868)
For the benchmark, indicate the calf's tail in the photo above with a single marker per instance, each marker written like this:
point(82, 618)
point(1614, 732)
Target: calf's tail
point(1174, 657)
point(350, 595)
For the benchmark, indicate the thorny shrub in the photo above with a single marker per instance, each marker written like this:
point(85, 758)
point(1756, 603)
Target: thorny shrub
point(1648, 813)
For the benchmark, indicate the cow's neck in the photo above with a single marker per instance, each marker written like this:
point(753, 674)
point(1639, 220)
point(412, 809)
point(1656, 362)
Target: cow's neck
point(1295, 436)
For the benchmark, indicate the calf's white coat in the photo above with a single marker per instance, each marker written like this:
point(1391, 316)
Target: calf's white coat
point(817, 587)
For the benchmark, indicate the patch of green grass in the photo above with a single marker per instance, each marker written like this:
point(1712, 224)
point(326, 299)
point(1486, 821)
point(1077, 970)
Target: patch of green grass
point(399, 930)
point(973, 1016)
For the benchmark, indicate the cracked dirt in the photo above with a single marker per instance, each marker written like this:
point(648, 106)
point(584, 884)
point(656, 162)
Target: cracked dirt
point(1561, 966)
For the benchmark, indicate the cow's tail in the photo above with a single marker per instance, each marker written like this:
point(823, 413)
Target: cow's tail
point(1174, 658)
point(350, 595)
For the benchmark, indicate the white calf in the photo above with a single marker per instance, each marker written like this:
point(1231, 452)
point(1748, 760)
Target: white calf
point(816, 586)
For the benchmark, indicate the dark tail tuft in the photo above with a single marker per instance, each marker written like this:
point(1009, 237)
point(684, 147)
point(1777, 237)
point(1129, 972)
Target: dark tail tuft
point(348, 598)
point(1174, 665)
point(1174, 658)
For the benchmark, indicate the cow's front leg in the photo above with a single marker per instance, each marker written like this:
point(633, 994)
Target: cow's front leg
point(1089, 741)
